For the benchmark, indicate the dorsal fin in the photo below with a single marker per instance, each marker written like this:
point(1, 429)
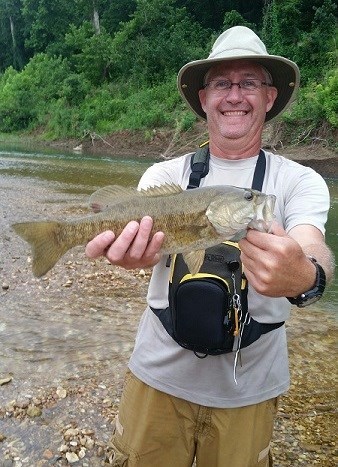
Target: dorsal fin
point(107, 196)
point(162, 190)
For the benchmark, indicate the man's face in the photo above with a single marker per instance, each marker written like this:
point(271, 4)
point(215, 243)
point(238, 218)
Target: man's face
point(235, 113)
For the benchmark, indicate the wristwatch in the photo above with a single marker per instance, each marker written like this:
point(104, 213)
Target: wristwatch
point(314, 294)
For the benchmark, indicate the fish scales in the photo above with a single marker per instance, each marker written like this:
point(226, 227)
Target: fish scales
point(182, 229)
point(192, 220)
point(181, 216)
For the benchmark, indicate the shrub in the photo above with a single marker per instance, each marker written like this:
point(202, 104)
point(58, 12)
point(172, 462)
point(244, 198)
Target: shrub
point(101, 108)
point(150, 107)
point(25, 97)
point(317, 102)
point(315, 115)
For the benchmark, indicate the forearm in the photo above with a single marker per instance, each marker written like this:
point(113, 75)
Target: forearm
point(324, 257)
point(313, 244)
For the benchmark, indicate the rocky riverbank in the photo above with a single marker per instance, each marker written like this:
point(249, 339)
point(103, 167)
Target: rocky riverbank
point(60, 388)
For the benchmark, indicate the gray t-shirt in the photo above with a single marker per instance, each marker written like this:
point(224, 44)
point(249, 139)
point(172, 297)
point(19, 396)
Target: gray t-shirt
point(302, 198)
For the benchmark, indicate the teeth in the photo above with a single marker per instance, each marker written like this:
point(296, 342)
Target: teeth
point(234, 113)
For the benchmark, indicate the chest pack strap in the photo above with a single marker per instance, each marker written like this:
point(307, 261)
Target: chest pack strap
point(199, 165)
point(200, 168)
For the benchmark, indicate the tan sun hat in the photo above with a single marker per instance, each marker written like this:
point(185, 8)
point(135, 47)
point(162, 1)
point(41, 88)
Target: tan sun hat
point(240, 43)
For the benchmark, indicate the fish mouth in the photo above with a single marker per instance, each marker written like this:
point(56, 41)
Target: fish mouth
point(264, 214)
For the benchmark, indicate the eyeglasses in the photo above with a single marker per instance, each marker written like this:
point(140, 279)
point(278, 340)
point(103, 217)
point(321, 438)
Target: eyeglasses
point(246, 85)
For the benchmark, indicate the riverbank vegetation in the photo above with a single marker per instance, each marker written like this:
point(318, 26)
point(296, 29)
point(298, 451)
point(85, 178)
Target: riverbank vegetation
point(96, 66)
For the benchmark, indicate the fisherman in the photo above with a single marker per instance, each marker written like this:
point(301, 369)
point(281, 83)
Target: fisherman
point(176, 407)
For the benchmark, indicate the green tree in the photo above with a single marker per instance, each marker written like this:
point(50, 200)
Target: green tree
point(25, 97)
point(210, 14)
point(89, 53)
point(113, 13)
point(316, 51)
point(157, 41)
point(271, 33)
point(47, 21)
point(234, 18)
point(288, 16)
point(11, 38)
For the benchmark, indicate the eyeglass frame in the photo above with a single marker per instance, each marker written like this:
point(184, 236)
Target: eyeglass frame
point(239, 84)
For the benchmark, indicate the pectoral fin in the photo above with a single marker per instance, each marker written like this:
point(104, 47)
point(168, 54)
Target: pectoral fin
point(194, 260)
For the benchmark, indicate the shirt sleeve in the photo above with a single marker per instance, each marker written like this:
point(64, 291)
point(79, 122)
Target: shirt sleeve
point(306, 198)
point(173, 171)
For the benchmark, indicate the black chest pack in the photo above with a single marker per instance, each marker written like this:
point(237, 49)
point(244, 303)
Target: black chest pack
point(208, 311)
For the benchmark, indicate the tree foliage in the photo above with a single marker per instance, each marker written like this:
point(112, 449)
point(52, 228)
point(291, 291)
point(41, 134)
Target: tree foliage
point(158, 39)
point(102, 65)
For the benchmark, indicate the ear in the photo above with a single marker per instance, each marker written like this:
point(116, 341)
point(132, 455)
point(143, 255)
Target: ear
point(202, 96)
point(271, 97)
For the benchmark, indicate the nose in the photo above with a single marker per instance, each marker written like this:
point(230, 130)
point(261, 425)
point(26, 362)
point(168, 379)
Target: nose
point(234, 95)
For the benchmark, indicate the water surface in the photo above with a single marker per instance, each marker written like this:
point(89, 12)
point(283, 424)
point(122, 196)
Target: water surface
point(78, 316)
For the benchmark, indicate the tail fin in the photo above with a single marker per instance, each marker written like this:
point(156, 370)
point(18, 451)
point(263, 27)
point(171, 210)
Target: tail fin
point(46, 246)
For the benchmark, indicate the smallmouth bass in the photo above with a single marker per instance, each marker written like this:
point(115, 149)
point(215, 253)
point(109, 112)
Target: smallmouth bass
point(192, 220)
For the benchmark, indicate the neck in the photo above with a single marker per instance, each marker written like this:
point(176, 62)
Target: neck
point(234, 153)
point(233, 150)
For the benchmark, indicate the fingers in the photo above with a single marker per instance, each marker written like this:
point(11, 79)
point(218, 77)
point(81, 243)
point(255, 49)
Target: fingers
point(152, 253)
point(133, 248)
point(120, 247)
point(263, 240)
point(99, 244)
point(134, 240)
point(273, 263)
point(277, 229)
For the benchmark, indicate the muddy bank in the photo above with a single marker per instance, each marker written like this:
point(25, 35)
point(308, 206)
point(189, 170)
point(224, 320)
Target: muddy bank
point(58, 403)
point(161, 143)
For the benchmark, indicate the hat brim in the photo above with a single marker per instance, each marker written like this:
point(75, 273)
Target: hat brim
point(284, 72)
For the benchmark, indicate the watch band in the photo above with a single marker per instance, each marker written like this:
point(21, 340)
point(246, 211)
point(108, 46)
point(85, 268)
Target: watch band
point(315, 293)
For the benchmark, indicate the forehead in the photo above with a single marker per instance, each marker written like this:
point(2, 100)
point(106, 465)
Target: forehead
point(243, 67)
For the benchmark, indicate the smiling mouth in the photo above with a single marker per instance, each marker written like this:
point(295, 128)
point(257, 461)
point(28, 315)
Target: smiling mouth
point(234, 113)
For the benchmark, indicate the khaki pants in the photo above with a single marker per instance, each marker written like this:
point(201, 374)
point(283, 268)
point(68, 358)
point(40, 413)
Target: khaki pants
point(154, 429)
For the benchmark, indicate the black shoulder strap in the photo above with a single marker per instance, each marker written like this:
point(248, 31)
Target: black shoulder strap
point(258, 177)
point(200, 167)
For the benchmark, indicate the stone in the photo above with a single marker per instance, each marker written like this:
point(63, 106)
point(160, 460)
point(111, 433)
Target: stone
point(34, 411)
point(72, 457)
point(61, 393)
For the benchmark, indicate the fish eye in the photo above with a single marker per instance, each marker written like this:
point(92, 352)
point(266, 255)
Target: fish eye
point(248, 195)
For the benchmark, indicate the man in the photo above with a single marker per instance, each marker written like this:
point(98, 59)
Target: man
point(175, 406)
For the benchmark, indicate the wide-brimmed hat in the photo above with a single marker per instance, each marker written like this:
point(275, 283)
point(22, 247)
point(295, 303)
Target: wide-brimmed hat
point(240, 43)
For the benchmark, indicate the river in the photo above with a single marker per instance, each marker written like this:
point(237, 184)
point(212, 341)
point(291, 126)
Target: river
point(79, 321)
point(78, 174)
point(58, 326)
point(68, 179)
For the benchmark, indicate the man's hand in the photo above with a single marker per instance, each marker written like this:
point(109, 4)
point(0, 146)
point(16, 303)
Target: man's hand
point(276, 264)
point(132, 249)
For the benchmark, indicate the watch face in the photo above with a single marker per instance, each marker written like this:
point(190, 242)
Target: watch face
point(309, 300)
